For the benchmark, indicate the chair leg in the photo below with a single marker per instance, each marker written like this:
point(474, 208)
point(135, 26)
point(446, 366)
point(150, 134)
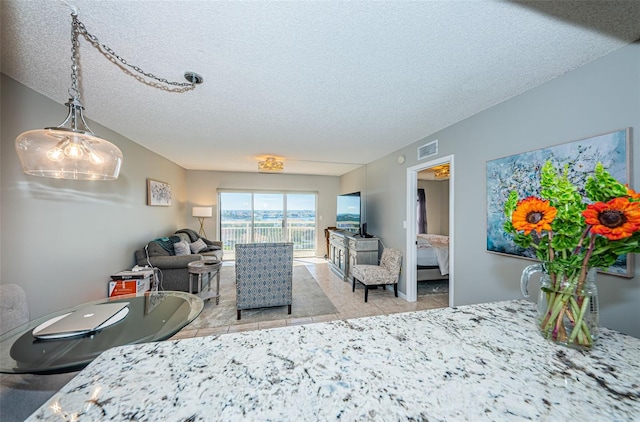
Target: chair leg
point(239, 311)
point(395, 289)
point(366, 293)
point(289, 310)
point(353, 286)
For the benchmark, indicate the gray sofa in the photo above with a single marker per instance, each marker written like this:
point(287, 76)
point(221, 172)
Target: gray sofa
point(159, 253)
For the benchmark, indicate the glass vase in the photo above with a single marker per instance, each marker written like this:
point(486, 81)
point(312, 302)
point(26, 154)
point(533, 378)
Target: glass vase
point(567, 303)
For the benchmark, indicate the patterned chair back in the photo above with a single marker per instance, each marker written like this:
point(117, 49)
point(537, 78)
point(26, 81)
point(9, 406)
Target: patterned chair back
point(392, 261)
point(264, 274)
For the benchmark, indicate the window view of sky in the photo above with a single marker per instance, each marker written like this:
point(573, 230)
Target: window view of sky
point(233, 201)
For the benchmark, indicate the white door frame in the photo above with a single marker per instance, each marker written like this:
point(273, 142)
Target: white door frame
point(411, 250)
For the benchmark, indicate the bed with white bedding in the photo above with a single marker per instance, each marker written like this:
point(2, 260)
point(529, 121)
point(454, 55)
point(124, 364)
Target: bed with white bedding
point(432, 257)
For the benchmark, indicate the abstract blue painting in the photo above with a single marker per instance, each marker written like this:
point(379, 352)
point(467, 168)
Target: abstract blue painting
point(521, 172)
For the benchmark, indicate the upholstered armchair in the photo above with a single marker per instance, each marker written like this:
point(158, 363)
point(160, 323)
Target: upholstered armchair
point(14, 309)
point(264, 275)
point(386, 273)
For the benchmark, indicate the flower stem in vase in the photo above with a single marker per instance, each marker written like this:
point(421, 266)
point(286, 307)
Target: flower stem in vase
point(563, 319)
point(580, 327)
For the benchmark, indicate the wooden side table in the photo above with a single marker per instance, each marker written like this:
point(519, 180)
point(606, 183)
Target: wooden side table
point(198, 270)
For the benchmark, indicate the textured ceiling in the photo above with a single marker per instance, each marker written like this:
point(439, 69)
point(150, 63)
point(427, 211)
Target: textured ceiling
point(327, 86)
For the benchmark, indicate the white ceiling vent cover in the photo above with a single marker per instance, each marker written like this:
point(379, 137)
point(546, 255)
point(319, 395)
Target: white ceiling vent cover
point(428, 150)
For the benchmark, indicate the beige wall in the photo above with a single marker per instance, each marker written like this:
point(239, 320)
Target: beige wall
point(62, 239)
point(203, 186)
point(437, 201)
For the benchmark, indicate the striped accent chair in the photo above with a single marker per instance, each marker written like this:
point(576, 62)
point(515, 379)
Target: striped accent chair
point(264, 275)
point(387, 272)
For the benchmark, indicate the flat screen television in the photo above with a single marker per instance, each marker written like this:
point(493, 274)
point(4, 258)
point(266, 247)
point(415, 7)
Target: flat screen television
point(349, 212)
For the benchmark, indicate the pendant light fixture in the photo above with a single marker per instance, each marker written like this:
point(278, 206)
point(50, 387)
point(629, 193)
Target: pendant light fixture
point(71, 150)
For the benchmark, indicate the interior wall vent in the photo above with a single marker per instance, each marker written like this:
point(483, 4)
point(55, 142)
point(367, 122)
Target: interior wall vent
point(428, 150)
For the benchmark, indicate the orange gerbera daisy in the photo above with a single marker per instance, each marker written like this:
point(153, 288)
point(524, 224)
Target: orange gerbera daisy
point(632, 194)
point(616, 219)
point(533, 214)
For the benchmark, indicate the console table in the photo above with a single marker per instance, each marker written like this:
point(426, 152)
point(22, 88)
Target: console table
point(347, 250)
point(152, 317)
point(483, 362)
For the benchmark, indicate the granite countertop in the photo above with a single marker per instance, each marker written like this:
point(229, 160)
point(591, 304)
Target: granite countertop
point(476, 362)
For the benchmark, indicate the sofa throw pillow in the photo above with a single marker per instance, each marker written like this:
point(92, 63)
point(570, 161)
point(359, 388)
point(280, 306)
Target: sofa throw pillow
point(198, 246)
point(181, 248)
point(167, 243)
point(153, 248)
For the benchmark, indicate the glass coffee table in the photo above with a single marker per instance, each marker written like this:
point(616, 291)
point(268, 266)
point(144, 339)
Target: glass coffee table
point(153, 316)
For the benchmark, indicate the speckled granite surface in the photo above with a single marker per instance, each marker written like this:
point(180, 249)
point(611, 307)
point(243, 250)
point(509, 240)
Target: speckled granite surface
point(478, 362)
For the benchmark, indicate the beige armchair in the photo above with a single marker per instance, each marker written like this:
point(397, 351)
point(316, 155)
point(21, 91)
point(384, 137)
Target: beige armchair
point(386, 273)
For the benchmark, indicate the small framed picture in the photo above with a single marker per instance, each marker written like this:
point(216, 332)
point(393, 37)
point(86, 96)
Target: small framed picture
point(158, 193)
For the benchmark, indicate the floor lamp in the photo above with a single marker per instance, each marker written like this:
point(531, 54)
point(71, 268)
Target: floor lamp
point(201, 213)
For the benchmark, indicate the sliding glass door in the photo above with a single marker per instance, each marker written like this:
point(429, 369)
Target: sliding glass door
point(268, 217)
point(236, 219)
point(301, 223)
point(264, 217)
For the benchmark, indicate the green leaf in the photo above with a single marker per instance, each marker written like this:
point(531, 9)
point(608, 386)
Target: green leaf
point(602, 187)
point(511, 204)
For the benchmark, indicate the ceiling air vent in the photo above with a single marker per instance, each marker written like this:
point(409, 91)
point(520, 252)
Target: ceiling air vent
point(428, 150)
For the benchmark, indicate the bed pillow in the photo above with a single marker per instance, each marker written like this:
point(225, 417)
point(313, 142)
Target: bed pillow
point(437, 239)
point(197, 246)
point(181, 248)
point(422, 240)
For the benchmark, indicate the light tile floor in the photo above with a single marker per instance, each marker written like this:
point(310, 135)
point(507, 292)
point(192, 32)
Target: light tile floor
point(349, 304)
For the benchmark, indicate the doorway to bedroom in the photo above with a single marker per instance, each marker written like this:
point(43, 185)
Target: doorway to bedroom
point(430, 209)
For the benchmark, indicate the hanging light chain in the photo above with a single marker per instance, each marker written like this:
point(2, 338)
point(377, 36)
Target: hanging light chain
point(73, 91)
point(81, 29)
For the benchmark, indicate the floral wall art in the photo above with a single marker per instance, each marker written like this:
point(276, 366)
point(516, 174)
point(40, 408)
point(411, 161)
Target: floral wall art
point(158, 193)
point(521, 172)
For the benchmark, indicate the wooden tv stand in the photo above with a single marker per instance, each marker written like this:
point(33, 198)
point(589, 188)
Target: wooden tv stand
point(347, 250)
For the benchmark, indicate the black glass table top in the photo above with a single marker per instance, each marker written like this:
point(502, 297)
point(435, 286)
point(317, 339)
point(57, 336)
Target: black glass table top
point(152, 317)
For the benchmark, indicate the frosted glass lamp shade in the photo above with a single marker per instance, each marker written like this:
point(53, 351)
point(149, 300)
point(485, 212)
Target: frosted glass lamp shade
point(203, 212)
point(67, 154)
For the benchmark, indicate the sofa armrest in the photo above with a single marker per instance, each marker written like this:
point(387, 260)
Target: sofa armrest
point(217, 253)
point(169, 262)
point(217, 243)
